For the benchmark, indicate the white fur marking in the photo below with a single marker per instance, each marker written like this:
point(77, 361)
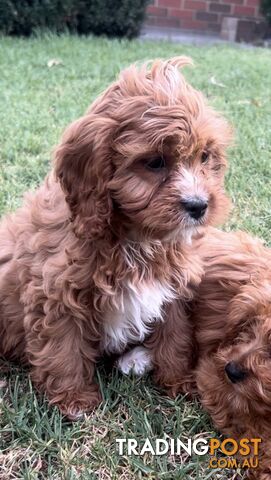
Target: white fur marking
point(138, 308)
point(137, 361)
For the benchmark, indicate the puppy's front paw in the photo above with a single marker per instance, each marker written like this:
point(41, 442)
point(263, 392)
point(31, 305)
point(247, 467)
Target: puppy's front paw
point(81, 403)
point(189, 386)
point(137, 361)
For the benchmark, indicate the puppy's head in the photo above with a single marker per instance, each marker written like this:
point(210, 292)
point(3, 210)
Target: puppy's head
point(147, 159)
point(235, 382)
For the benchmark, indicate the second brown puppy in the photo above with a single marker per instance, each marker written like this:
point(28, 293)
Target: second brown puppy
point(232, 317)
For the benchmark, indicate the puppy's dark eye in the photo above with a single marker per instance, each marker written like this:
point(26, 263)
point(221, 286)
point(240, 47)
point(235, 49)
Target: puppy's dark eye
point(204, 157)
point(156, 164)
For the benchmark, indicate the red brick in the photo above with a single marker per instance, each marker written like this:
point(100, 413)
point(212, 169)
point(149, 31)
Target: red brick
point(243, 10)
point(169, 3)
point(195, 5)
point(219, 7)
point(158, 12)
point(189, 14)
point(206, 16)
point(167, 22)
point(235, 2)
point(253, 3)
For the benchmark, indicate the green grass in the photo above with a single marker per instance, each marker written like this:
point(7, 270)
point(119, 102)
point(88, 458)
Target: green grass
point(37, 102)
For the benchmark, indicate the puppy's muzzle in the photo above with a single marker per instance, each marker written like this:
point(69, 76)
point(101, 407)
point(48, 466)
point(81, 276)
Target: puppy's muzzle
point(235, 372)
point(196, 207)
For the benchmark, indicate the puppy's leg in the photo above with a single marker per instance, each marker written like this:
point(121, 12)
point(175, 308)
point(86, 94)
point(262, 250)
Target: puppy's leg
point(62, 359)
point(171, 346)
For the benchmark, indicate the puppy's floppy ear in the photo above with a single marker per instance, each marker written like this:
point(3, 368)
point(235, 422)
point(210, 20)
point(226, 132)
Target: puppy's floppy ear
point(251, 301)
point(84, 168)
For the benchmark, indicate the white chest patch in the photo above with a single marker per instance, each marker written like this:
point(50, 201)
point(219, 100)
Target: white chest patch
point(138, 308)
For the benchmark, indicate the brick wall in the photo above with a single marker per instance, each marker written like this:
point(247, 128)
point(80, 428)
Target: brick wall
point(199, 15)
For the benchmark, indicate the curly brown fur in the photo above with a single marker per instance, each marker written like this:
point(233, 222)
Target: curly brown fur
point(108, 229)
point(232, 317)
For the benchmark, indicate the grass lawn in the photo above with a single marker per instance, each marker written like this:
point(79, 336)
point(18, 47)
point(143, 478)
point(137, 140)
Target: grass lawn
point(37, 102)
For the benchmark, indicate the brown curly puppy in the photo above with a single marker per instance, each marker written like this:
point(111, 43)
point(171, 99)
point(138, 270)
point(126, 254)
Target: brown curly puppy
point(88, 262)
point(232, 316)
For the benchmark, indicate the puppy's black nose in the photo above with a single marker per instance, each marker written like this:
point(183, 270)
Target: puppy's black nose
point(196, 207)
point(235, 372)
